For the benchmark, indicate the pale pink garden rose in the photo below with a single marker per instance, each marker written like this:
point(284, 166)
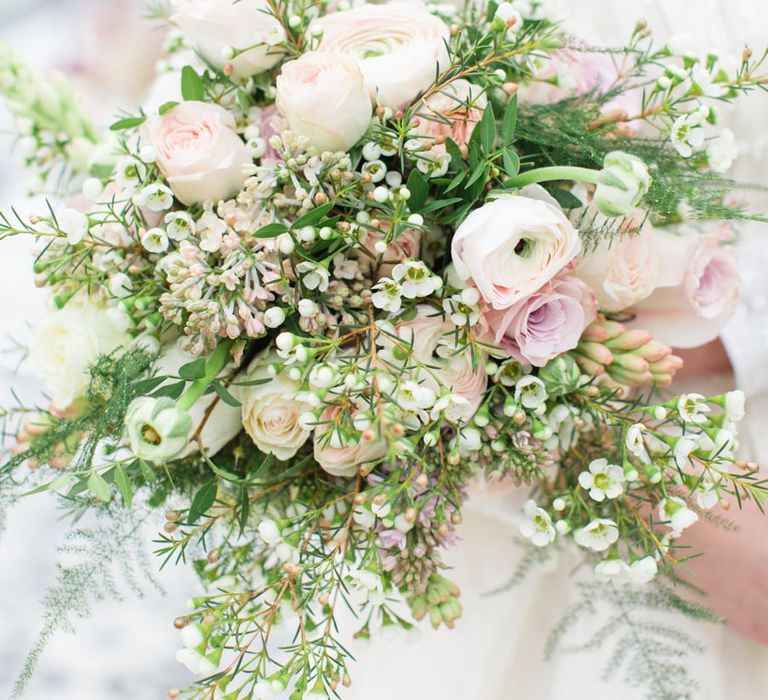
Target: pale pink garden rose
point(544, 325)
point(432, 339)
point(576, 73)
point(405, 247)
point(697, 289)
point(213, 27)
point(324, 98)
point(512, 246)
point(199, 152)
point(622, 271)
point(399, 47)
point(453, 113)
point(339, 457)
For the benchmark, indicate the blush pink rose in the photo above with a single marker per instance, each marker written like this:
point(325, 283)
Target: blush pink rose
point(512, 246)
point(577, 73)
point(399, 46)
point(199, 152)
point(545, 324)
point(432, 339)
point(451, 113)
point(624, 270)
point(697, 291)
point(340, 456)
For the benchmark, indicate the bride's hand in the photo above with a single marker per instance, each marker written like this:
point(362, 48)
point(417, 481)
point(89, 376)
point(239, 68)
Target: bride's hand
point(734, 569)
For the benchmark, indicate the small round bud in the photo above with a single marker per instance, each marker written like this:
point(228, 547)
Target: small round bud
point(416, 220)
point(307, 308)
point(274, 317)
point(92, 188)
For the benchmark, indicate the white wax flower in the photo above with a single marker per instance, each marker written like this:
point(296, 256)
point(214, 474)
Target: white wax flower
point(603, 480)
point(537, 526)
point(599, 535)
point(677, 514)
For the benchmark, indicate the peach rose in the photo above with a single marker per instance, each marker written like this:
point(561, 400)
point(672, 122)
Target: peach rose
point(405, 246)
point(623, 271)
point(214, 26)
point(399, 46)
point(432, 339)
point(324, 98)
point(451, 113)
point(512, 246)
point(199, 152)
point(338, 455)
point(697, 289)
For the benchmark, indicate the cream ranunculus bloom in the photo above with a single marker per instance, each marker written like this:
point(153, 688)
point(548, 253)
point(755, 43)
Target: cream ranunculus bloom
point(199, 152)
point(224, 422)
point(624, 270)
point(271, 412)
point(399, 46)
point(66, 342)
point(212, 27)
point(324, 98)
point(512, 246)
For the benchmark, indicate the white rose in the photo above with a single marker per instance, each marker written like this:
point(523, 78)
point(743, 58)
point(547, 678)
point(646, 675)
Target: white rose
point(622, 271)
point(399, 47)
point(324, 98)
point(512, 246)
point(199, 152)
point(213, 27)
point(271, 412)
point(66, 342)
point(222, 425)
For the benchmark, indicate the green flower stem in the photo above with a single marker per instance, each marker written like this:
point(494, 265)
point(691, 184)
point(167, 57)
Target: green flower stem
point(215, 364)
point(558, 172)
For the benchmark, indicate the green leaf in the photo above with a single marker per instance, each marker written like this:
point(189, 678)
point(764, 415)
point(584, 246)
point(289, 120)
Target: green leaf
point(312, 217)
point(440, 204)
point(511, 162)
point(269, 460)
point(146, 470)
point(202, 501)
point(192, 85)
point(487, 127)
point(245, 509)
point(510, 122)
point(193, 370)
point(124, 485)
point(57, 483)
point(128, 123)
point(271, 230)
point(224, 395)
point(566, 199)
point(99, 487)
point(145, 386)
point(101, 171)
point(172, 391)
point(252, 382)
point(419, 191)
point(481, 170)
point(166, 107)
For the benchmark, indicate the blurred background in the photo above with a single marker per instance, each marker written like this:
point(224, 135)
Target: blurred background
point(107, 48)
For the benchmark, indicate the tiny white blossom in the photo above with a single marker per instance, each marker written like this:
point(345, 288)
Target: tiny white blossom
point(433, 163)
point(453, 407)
point(734, 405)
point(530, 392)
point(706, 492)
point(603, 480)
point(642, 571)
point(155, 197)
point(461, 312)
point(693, 408)
point(676, 512)
point(364, 517)
point(412, 396)
point(688, 133)
point(416, 279)
point(537, 526)
point(211, 230)
point(599, 535)
point(636, 443)
point(313, 276)
point(610, 569)
point(155, 240)
point(470, 440)
point(387, 296)
point(191, 636)
point(722, 150)
point(274, 317)
point(269, 532)
point(73, 224)
point(179, 225)
point(120, 285)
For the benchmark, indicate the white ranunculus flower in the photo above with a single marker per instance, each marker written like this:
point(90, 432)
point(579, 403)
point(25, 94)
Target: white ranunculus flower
point(624, 181)
point(199, 152)
point(623, 271)
point(214, 27)
point(399, 47)
point(224, 422)
point(271, 412)
point(324, 98)
point(66, 342)
point(512, 246)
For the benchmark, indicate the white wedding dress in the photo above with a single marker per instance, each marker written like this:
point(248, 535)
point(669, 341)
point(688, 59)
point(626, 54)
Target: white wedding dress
point(496, 651)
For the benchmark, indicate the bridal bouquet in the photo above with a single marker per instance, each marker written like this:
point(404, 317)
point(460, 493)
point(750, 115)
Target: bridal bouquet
point(348, 263)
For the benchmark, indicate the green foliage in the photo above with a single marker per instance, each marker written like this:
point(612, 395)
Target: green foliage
point(640, 629)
